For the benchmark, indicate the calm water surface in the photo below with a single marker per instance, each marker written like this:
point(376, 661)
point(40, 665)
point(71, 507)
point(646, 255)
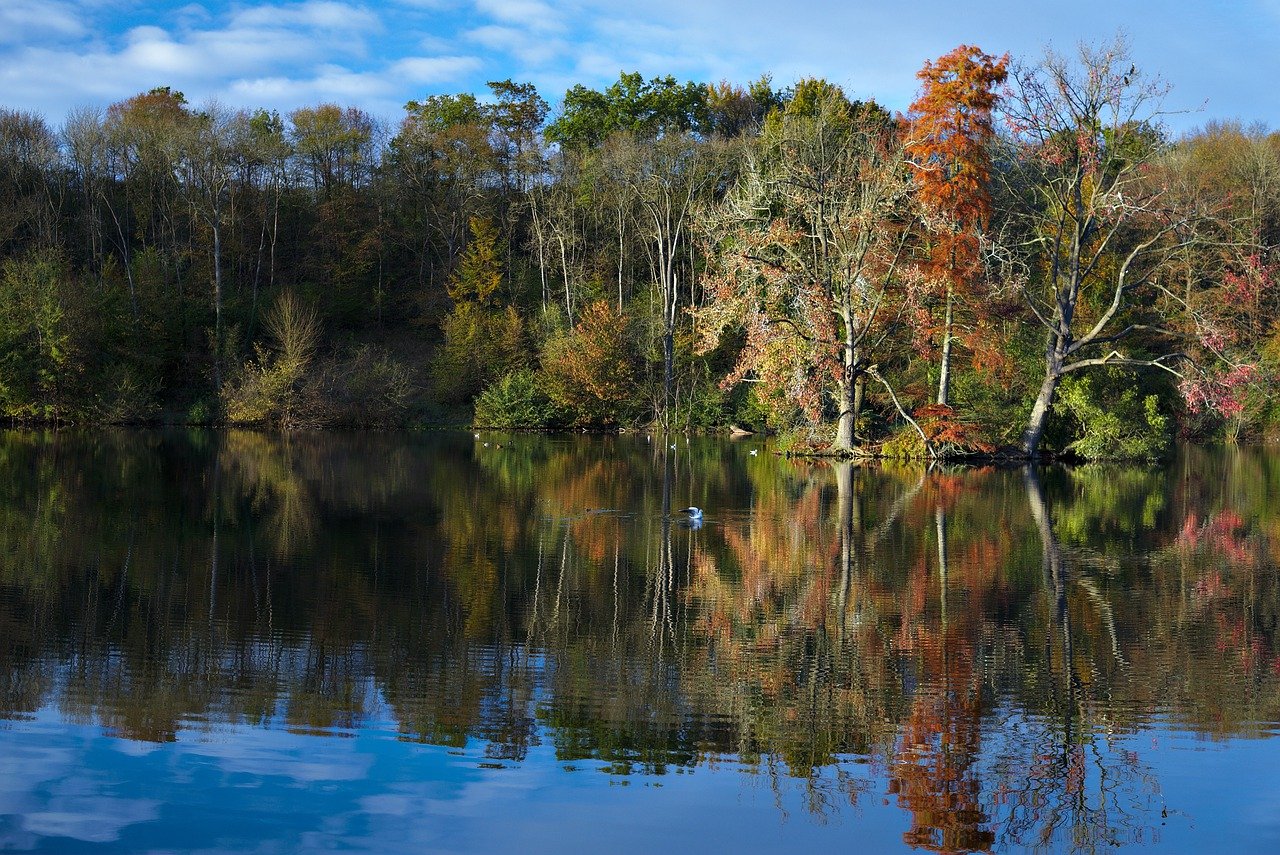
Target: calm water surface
point(226, 642)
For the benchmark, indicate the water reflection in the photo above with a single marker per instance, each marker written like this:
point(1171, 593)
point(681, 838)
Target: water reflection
point(981, 648)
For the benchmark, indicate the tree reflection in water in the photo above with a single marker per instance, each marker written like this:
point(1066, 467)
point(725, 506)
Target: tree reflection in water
point(980, 645)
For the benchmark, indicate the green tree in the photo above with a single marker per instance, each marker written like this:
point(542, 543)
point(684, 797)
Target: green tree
point(668, 179)
point(440, 161)
point(34, 339)
point(479, 346)
point(479, 273)
point(645, 108)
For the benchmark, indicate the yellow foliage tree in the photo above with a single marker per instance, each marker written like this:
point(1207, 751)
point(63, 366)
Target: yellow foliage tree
point(479, 273)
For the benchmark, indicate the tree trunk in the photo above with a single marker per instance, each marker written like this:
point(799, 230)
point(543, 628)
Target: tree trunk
point(668, 354)
point(538, 244)
point(844, 441)
point(944, 375)
point(564, 266)
point(859, 396)
point(124, 254)
point(217, 301)
point(844, 427)
point(621, 235)
point(1040, 412)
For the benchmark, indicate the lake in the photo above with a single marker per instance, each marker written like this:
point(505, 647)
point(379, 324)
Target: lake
point(232, 642)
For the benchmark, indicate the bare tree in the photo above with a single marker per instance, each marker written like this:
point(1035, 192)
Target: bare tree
point(666, 177)
point(1082, 133)
point(207, 168)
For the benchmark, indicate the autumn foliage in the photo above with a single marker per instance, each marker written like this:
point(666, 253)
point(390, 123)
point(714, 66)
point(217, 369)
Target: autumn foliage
point(589, 368)
point(949, 148)
point(835, 263)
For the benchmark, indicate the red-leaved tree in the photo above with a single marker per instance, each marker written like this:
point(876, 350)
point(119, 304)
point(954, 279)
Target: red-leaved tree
point(949, 148)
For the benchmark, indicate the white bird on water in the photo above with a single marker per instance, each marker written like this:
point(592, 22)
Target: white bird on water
point(694, 514)
point(753, 452)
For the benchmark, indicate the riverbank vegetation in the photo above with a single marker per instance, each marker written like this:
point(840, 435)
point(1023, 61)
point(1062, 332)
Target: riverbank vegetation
point(1026, 260)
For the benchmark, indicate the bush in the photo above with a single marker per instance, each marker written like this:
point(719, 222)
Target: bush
point(367, 389)
point(518, 401)
point(1122, 425)
point(806, 438)
point(480, 345)
point(746, 408)
point(703, 406)
point(269, 388)
point(590, 369)
point(124, 397)
point(904, 444)
point(201, 412)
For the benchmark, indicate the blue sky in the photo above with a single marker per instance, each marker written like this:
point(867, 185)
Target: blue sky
point(1221, 58)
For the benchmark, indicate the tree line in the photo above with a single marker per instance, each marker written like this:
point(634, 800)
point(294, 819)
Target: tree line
point(1026, 260)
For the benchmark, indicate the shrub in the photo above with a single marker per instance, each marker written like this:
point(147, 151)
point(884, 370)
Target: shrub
point(746, 407)
point(904, 444)
point(1123, 426)
point(480, 345)
point(124, 397)
point(805, 437)
point(201, 412)
point(703, 406)
point(367, 389)
point(949, 433)
point(269, 388)
point(517, 401)
point(590, 370)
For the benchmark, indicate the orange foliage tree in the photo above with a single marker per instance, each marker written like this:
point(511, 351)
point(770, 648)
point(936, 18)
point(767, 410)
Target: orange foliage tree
point(590, 369)
point(949, 148)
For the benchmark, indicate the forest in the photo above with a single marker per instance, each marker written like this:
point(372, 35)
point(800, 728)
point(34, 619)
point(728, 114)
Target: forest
point(1027, 261)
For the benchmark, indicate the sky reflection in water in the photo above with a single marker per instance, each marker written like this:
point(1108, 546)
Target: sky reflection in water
point(226, 642)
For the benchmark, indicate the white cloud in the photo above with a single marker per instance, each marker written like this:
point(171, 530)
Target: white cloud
point(149, 49)
point(530, 14)
point(432, 5)
point(281, 56)
point(56, 54)
point(193, 10)
point(532, 51)
point(434, 44)
point(382, 92)
point(314, 14)
point(21, 20)
point(332, 84)
point(433, 69)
